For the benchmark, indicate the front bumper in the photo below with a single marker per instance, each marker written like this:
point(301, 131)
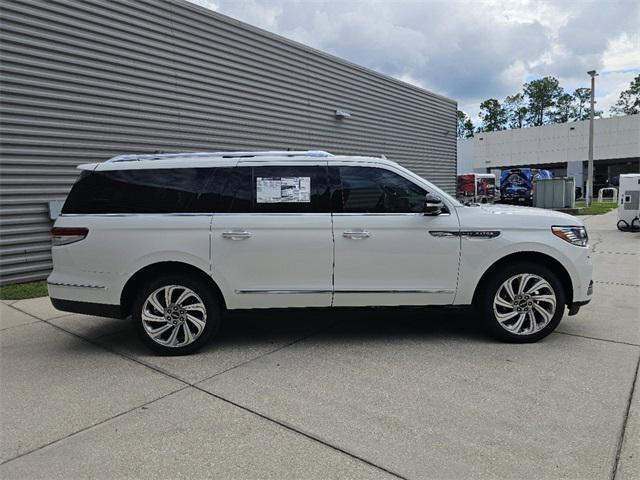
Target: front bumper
point(574, 307)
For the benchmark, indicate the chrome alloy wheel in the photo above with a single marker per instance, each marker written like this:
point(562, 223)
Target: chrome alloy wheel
point(174, 316)
point(524, 304)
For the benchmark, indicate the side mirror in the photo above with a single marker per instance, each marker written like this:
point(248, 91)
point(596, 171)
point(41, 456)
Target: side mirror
point(432, 205)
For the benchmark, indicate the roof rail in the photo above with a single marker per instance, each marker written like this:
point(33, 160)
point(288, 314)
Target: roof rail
point(133, 157)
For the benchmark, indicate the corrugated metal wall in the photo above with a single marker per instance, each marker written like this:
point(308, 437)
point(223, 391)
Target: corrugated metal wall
point(85, 80)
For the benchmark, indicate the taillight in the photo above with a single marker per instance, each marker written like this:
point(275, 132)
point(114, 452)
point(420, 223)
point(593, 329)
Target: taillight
point(67, 235)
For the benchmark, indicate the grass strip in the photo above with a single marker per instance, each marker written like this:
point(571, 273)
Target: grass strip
point(596, 208)
point(20, 291)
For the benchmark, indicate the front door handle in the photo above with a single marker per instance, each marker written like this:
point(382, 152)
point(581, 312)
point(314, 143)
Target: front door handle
point(236, 234)
point(356, 234)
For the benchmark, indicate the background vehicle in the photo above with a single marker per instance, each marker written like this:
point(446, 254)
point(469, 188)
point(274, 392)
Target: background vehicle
point(476, 188)
point(174, 239)
point(517, 184)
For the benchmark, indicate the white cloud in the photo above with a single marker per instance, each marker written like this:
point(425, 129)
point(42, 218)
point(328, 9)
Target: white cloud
point(623, 52)
point(413, 81)
point(467, 50)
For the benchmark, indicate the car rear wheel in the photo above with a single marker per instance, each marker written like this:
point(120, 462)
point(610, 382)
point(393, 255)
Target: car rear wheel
point(176, 314)
point(522, 303)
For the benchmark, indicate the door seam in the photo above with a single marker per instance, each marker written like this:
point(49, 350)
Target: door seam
point(333, 263)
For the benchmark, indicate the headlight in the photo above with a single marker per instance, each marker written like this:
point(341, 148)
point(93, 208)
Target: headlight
point(574, 235)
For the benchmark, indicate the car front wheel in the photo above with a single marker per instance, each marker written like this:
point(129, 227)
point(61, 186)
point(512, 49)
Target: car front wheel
point(176, 314)
point(522, 303)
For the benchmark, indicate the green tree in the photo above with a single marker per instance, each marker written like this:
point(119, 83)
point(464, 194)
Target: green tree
point(492, 115)
point(516, 110)
point(582, 99)
point(465, 125)
point(542, 95)
point(468, 128)
point(629, 101)
point(565, 108)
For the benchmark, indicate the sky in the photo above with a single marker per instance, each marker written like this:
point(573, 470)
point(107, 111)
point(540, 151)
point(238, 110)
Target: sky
point(466, 50)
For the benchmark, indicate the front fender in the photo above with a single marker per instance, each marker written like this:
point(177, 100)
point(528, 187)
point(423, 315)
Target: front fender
point(478, 255)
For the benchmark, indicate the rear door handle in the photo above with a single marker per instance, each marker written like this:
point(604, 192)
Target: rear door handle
point(356, 234)
point(236, 235)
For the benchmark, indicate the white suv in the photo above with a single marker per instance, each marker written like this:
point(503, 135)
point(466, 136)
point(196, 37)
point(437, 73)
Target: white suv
point(173, 239)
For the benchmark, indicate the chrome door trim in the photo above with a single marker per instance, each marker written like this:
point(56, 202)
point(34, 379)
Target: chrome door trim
point(413, 214)
point(262, 214)
point(281, 291)
point(408, 290)
point(369, 291)
point(135, 214)
point(271, 214)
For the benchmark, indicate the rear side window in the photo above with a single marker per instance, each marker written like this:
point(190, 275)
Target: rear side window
point(201, 190)
point(138, 191)
point(290, 189)
point(376, 190)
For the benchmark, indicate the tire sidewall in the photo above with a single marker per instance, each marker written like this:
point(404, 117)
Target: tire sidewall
point(205, 293)
point(485, 303)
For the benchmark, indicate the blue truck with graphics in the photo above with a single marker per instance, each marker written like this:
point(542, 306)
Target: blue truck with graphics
point(517, 184)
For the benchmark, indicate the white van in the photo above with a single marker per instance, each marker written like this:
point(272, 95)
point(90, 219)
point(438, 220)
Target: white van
point(173, 239)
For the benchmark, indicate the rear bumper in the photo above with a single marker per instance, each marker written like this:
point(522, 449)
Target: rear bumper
point(87, 308)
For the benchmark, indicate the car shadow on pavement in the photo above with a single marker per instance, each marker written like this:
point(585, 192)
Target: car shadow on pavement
point(266, 329)
point(347, 324)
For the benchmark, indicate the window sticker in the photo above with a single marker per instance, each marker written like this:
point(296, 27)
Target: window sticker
point(283, 189)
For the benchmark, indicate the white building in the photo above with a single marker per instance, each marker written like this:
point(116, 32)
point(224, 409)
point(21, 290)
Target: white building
point(562, 148)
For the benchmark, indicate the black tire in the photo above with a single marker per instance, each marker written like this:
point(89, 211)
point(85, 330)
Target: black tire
point(485, 302)
point(202, 291)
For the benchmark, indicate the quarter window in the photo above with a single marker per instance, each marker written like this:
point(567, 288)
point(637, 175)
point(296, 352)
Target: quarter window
point(375, 190)
point(137, 191)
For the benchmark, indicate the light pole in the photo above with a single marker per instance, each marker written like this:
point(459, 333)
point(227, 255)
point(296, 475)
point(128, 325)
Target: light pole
point(593, 74)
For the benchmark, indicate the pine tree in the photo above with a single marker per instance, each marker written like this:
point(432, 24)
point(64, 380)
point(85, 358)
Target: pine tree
point(629, 101)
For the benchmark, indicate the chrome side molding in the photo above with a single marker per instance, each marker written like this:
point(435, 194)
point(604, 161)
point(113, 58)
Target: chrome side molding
point(74, 285)
point(408, 290)
point(343, 291)
point(281, 291)
point(465, 233)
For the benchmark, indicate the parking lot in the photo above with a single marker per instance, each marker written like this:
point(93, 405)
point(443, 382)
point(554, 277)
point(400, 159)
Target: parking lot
point(389, 393)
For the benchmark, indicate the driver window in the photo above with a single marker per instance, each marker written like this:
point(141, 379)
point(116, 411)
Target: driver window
point(375, 190)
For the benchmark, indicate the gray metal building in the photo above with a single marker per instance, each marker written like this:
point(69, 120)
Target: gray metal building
point(83, 80)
